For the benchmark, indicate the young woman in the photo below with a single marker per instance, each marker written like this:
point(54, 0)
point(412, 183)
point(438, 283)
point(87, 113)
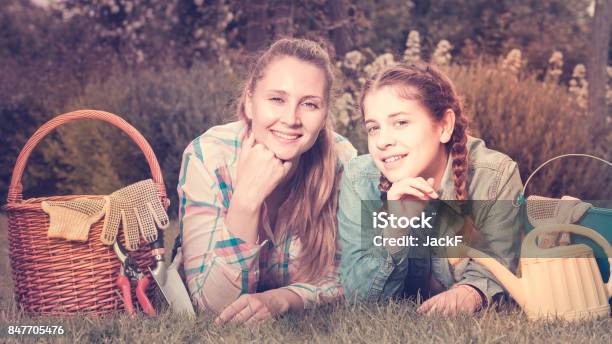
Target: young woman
point(419, 152)
point(258, 197)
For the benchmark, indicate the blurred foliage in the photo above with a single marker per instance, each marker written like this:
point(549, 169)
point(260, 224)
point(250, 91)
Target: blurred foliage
point(493, 28)
point(172, 68)
point(532, 121)
point(91, 157)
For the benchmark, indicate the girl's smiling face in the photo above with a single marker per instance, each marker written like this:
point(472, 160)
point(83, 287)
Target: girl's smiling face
point(403, 138)
point(288, 107)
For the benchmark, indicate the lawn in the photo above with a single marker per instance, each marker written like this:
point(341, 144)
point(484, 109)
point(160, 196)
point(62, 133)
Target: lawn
point(394, 322)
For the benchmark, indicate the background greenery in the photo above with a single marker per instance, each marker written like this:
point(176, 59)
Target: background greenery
point(173, 69)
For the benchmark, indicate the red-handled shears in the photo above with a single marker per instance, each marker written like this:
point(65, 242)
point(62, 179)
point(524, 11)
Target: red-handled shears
point(130, 272)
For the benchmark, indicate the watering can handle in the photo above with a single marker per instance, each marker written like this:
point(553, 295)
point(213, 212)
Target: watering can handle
point(521, 197)
point(530, 245)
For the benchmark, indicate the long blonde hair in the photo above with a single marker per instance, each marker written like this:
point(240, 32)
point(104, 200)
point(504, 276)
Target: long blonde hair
point(314, 186)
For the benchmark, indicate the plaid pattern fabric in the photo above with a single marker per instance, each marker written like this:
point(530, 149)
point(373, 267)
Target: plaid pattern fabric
point(219, 267)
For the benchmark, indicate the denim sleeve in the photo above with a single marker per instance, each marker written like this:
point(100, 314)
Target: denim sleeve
point(367, 272)
point(500, 226)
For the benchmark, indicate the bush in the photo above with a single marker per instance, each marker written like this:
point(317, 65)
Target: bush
point(532, 121)
point(169, 108)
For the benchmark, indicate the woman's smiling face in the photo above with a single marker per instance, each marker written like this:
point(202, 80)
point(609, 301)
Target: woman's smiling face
point(288, 107)
point(404, 140)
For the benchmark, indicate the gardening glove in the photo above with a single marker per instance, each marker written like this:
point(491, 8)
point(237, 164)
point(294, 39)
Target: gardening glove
point(137, 208)
point(71, 220)
point(543, 211)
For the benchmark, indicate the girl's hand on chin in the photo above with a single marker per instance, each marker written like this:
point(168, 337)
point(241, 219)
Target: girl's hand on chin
point(414, 191)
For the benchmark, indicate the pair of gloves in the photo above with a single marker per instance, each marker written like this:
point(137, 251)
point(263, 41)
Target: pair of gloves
point(544, 211)
point(136, 208)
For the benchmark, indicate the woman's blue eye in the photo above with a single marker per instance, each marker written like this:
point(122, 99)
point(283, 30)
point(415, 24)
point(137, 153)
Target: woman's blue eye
point(312, 106)
point(372, 130)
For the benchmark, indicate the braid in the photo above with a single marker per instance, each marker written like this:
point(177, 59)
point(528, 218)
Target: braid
point(384, 184)
point(459, 152)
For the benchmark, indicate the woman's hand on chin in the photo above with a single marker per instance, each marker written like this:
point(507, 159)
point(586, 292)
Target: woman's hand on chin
point(252, 308)
point(259, 172)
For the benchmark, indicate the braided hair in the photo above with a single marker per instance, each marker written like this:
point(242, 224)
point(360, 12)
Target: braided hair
point(434, 90)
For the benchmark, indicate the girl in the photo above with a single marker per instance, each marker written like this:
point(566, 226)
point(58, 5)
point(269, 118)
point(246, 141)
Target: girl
point(419, 152)
point(259, 196)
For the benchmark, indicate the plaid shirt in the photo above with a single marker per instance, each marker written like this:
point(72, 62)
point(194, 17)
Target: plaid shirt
point(219, 266)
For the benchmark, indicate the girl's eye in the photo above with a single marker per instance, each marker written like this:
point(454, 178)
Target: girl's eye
point(278, 100)
point(400, 123)
point(372, 130)
point(311, 106)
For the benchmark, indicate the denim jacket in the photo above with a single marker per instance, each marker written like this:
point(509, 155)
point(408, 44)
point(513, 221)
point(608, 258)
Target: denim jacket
point(370, 273)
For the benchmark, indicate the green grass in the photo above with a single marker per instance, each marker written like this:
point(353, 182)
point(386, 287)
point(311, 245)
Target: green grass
point(394, 322)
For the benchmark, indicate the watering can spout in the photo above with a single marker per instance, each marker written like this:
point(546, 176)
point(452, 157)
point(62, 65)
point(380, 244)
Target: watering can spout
point(512, 283)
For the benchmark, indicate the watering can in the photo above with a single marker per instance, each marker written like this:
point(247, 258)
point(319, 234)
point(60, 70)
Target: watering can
point(562, 281)
point(599, 219)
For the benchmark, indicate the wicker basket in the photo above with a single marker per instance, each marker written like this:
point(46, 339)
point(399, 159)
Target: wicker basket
point(55, 276)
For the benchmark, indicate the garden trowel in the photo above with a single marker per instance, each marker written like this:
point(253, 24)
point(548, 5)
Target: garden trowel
point(170, 282)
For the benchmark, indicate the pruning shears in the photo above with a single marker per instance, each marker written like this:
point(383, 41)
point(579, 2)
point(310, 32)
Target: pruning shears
point(131, 273)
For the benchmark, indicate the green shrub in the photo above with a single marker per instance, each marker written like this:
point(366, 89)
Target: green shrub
point(169, 108)
point(532, 121)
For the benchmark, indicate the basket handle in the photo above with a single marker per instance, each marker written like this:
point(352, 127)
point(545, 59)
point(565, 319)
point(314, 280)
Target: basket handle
point(16, 189)
point(521, 197)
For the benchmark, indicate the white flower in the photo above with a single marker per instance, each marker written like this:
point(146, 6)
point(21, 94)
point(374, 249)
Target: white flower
point(556, 58)
point(578, 86)
point(345, 106)
point(555, 67)
point(353, 59)
point(378, 64)
point(198, 33)
point(139, 56)
point(513, 61)
point(579, 71)
point(413, 47)
point(441, 55)
point(221, 42)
